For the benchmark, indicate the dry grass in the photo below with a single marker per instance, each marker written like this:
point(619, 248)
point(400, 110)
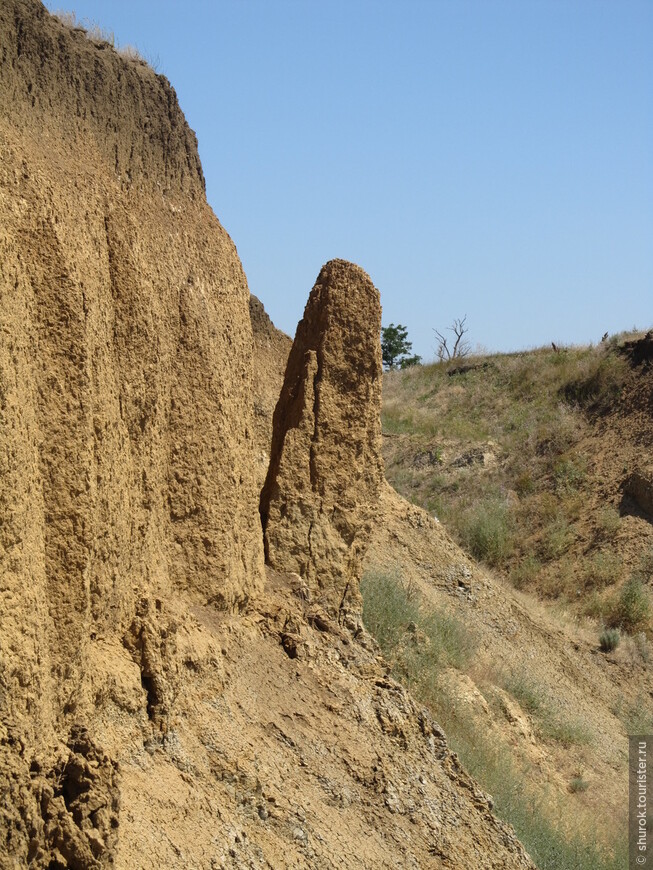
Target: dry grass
point(97, 33)
point(512, 483)
point(421, 645)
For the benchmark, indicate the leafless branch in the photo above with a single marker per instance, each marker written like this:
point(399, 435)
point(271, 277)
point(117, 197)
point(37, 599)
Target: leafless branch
point(461, 347)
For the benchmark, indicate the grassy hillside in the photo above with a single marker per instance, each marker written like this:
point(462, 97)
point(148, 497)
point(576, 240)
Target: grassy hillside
point(535, 758)
point(526, 459)
point(523, 458)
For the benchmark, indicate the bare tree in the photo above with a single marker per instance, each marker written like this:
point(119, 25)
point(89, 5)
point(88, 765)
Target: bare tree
point(460, 348)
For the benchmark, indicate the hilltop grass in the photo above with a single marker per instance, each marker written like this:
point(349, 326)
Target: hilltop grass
point(419, 645)
point(512, 482)
point(100, 35)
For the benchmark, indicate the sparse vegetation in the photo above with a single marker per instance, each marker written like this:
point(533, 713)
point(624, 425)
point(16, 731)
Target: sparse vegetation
point(645, 569)
point(514, 486)
point(420, 646)
point(388, 609)
point(556, 538)
point(567, 732)
point(417, 643)
point(548, 721)
point(635, 717)
point(602, 568)
point(528, 693)
point(96, 33)
point(524, 573)
point(609, 639)
point(578, 784)
point(531, 817)
point(92, 29)
point(607, 523)
point(486, 531)
point(597, 388)
point(632, 608)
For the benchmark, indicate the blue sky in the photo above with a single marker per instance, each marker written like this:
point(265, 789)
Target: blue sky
point(492, 158)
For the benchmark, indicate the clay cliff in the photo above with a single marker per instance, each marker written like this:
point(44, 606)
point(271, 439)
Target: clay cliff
point(125, 366)
point(271, 349)
point(323, 483)
point(127, 340)
point(166, 700)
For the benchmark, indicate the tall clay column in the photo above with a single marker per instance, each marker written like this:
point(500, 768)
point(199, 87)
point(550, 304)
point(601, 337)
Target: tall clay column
point(322, 488)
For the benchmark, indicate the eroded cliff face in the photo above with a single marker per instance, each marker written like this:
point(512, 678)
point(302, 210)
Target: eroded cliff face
point(125, 366)
point(271, 349)
point(323, 484)
point(164, 700)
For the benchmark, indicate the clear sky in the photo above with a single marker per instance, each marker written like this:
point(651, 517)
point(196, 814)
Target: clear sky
point(492, 158)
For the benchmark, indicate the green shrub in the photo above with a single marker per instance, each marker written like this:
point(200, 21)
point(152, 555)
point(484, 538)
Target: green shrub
point(418, 644)
point(608, 522)
point(578, 784)
point(632, 608)
point(596, 606)
point(487, 532)
point(529, 694)
point(602, 569)
point(557, 538)
point(567, 732)
point(609, 639)
point(388, 608)
point(525, 572)
point(448, 640)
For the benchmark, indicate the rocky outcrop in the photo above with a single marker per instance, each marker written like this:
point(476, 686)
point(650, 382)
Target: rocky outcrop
point(325, 473)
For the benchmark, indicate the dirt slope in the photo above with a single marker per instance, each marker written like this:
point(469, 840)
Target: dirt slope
point(539, 687)
point(297, 755)
point(619, 448)
point(520, 644)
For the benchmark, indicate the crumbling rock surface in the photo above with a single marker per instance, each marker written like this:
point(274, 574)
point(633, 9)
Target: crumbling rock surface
point(271, 349)
point(297, 749)
point(63, 812)
point(323, 483)
point(125, 379)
